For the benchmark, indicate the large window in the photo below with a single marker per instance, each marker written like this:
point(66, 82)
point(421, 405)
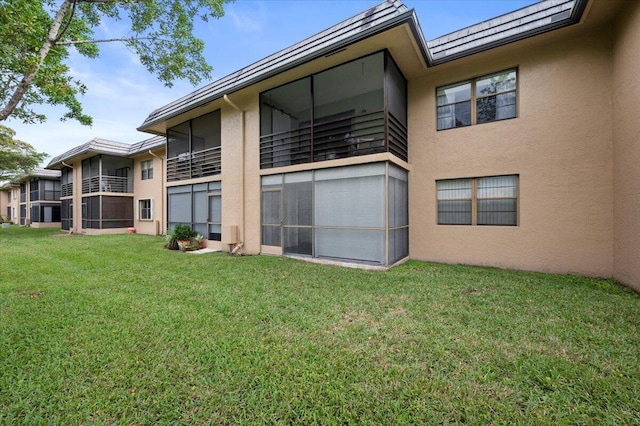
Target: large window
point(193, 148)
point(199, 206)
point(147, 169)
point(478, 201)
point(480, 100)
point(356, 108)
point(354, 214)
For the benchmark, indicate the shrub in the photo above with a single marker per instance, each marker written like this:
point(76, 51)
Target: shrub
point(183, 232)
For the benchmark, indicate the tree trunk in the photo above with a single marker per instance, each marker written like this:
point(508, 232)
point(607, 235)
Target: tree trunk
point(27, 79)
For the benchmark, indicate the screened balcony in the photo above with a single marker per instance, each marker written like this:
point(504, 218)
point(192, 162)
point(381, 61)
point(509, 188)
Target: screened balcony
point(193, 148)
point(354, 109)
point(67, 182)
point(67, 190)
point(43, 189)
point(104, 173)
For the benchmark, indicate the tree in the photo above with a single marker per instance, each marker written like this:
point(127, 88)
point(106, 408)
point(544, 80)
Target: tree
point(17, 158)
point(36, 35)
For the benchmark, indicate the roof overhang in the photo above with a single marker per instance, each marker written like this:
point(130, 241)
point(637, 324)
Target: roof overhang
point(541, 17)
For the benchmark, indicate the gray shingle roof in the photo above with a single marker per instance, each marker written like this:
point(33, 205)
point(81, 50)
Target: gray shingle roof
point(147, 144)
point(517, 25)
point(103, 146)
point(540, 17)
point(376, 19)
point(38, 172)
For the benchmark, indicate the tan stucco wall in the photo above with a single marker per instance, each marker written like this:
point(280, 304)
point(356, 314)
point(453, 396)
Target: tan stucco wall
point(5, 201)
point(626, 146)
point(150, 189)
point(15, 205)
point(560, 145)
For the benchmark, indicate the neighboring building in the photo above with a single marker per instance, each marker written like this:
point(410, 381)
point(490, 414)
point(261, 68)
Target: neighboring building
point(34, 199)
point(6, 211)
point(511, 143)
point(109, 187)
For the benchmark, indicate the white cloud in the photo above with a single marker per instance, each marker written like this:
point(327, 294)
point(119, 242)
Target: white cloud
point(248, 17)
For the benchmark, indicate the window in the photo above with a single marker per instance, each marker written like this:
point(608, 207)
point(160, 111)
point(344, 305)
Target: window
point(34, 193)
point(215, 211)
point(480, 100)
point(199, 206)
point(144, 210)
point(480, 201)
point(147, 169)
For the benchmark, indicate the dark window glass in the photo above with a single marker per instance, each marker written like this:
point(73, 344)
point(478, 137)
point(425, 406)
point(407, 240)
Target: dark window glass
point(147, 169)
point(494, 97)
point(271, 208)
point(178, 141)
point(495, 198)
point(145, 209)
point(205, 131)
point(297, 241)
point(270, 235)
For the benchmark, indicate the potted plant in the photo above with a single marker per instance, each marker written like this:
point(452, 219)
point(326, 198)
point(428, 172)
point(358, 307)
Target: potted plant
point(184, 236)
point(199, 240)
point(170, 241)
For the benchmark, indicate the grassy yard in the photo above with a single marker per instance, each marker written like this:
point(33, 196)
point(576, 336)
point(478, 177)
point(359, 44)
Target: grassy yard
point(116, 330)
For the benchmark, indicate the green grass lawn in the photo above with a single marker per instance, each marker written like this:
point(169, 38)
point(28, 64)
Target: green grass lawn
point(117, 330)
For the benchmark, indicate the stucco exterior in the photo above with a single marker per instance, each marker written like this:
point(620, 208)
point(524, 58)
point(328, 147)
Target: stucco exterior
point(560, 150)
point(573, 145)
point(626, 146)
point(150, 189)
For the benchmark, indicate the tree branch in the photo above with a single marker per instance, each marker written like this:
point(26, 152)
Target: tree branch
point(66, 26)
point(105, 40)
point(42, 54)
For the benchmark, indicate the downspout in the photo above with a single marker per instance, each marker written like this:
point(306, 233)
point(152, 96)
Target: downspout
point(242, 170)
point(163, 192)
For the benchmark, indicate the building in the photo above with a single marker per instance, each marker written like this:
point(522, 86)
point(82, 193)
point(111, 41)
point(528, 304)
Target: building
point(6, 211)
point(109, 187)
point(511, 143)
point(33, 200)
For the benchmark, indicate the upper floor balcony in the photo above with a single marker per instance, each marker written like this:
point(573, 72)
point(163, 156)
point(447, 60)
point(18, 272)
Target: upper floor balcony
point(107, 184)
point(105, 173)
point(357, 108)
point(193, 148)
point(369, 133)
point(66, 189)
point(194, 165)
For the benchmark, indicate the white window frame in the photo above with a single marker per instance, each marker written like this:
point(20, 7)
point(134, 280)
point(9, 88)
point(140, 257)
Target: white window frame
point(139, 209)
point(146, 167)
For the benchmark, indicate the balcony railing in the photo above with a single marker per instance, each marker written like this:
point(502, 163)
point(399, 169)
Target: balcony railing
point(67, 190)
point(363, 134)
point(194, 165)
point(106, 184)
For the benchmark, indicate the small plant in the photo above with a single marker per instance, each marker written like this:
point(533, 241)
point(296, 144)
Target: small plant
point(170, 241)
point(183, 233)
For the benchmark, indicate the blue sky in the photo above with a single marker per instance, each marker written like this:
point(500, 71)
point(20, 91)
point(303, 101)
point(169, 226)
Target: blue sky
point(121, 93)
